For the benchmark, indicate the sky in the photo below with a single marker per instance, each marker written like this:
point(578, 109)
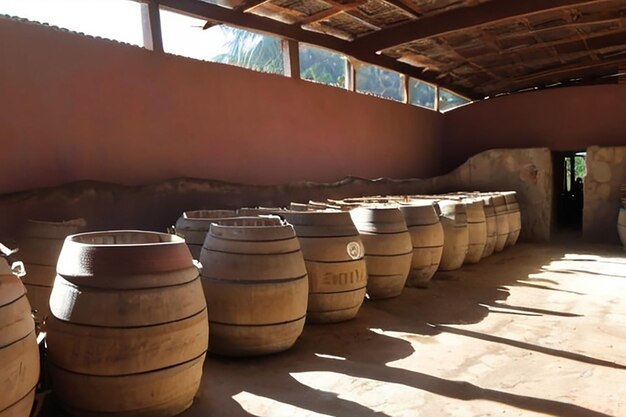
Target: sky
point(121, 20)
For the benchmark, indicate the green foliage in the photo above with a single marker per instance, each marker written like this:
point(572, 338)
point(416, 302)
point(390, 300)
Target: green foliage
point(322, 66)
point(580, 169)
point(422, 94)
point(251, 50)
point(448, 100)
point(379, 82)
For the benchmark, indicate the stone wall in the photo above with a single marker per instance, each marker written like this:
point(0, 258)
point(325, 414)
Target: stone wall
point(606, 170)
point(155, 207)
point(527, 171)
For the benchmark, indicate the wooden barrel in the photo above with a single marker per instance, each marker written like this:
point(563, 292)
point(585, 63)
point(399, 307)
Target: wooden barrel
point(422, 220)
point(456, 234)
point(490, 220)
point(621, 226)
point(255, 284)
point(194, 225)
point(40, 244)
point(19, 353)
point(477, 230)
point(388, 249)
point(514, 217)
point(502, 221)
point(334, 257)
point(128, 330)
point(258, 211)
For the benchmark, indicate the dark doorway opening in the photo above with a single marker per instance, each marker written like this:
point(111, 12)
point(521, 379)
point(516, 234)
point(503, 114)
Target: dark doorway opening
point(569, 176)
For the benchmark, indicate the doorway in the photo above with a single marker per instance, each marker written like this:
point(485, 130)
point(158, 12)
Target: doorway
point(570, 171)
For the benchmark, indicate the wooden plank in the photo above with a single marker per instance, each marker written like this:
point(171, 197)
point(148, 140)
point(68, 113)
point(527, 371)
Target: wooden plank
point(296, 33)
point(151, 24)
point(291, 58)
point(459, 19)
point(555, 75)
point(404, 6)
point(249, 5)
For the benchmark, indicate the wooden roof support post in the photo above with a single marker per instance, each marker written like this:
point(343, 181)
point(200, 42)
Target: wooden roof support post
point(151, 23)
point(291, 58)
point(405, 87)
point(350, 83)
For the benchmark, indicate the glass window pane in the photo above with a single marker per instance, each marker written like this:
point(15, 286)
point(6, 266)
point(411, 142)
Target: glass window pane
point(422, 94)
point(379, 82)
point(91, 17)
point(184, 35)
point(448, 100)
point(580, 168)
point(322, 66)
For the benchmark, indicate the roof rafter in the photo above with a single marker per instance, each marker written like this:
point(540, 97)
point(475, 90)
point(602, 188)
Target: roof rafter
point(294, 32)
point(459, 19)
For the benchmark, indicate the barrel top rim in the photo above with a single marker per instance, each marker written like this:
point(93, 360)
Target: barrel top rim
point(171, 239)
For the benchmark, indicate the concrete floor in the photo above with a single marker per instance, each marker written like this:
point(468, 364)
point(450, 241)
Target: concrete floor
point(536, 330)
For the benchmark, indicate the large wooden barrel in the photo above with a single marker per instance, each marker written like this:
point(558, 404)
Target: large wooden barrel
point(456, 234)
point(388, 249)
point(19, 353)
point(422, 220)
point(128, 330)
point(258, 211)
point(477, 230)
point(334, 257)
point(490, 220)
point(514, 217)
point(502, 222)
point(621, 226)
point(40, 244)
point(256, 286)
point(194, 225)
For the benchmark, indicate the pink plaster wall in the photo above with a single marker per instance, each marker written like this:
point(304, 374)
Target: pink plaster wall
point(75, 108)
point(572, 118)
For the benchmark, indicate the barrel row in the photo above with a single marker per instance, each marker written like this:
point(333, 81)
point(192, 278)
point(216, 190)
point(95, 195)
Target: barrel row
point(128, 328)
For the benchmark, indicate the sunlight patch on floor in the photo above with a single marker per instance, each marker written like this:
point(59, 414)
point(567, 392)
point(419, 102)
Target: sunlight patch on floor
point(395, 400)
point(267, 407)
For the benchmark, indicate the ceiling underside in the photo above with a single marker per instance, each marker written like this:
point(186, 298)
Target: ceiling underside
point(478, 48)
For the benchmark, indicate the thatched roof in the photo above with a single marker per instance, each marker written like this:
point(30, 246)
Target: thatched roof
point(477, 47)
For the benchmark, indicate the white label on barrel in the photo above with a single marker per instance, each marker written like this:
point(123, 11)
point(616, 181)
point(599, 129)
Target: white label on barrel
point(354, 250)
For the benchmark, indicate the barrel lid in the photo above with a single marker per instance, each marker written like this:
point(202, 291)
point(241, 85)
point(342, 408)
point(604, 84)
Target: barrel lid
point(201, 219)
point(260, 229)
point(420, 213)
point(378, 219)
point(326, 223)
point(451, 207)
point(255, 211)
point(122, 253)
point(52, 229)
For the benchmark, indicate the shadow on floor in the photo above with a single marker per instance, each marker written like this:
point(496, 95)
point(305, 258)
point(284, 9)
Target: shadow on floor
point(353, 349)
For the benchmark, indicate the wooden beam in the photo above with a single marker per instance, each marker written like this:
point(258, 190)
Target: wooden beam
point(296, 33)
point(404, 6)
point(597, 43)
point(247, 5)
point(459, 19)
point(561, 74)
point(151, 25)
point(350, 84)
point(335, 9)
point(291, 58)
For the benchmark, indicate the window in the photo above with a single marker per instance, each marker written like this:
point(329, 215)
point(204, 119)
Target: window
point(322, 66)
point(184, 35)
point(379, 82)
point(118, 20)
point(448, 100)
point(422, 94)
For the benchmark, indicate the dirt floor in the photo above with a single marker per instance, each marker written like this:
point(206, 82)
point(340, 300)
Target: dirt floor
point(536, 330)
